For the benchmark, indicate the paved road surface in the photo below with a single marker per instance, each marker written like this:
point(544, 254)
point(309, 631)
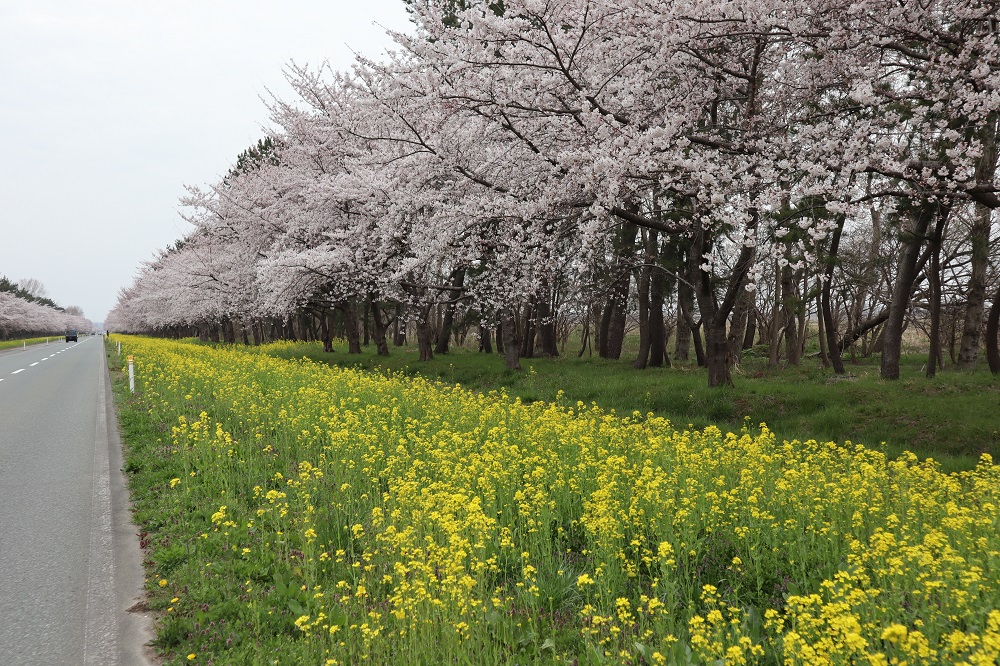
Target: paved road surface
point(69, 560)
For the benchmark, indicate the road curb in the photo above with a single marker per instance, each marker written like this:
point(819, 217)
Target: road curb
point(132, 623)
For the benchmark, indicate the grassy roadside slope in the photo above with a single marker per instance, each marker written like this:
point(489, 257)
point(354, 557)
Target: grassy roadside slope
point(11, 344)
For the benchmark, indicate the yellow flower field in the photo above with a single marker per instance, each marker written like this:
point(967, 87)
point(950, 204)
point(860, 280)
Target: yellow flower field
point(331, 516)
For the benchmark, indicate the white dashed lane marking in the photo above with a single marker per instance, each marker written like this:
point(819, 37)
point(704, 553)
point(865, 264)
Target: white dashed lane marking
point(31, 365)
point(17, 371)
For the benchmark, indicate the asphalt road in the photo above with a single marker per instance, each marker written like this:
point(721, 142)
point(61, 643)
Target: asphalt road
point(70, 564)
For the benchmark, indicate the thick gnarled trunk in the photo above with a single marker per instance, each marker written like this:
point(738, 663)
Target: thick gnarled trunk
point(892, 337)
point(715, 313)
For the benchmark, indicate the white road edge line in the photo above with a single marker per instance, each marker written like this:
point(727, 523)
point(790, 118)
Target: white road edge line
point(100, 645)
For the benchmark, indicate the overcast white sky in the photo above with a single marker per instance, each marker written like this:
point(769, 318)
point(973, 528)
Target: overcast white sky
point(109, 107)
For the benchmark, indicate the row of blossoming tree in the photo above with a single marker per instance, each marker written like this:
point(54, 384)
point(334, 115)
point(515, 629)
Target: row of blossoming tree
point(23, 314)
point(719, 172)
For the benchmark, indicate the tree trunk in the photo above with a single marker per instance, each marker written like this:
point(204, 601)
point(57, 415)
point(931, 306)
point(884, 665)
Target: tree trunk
point(715, 313)
point(612, 334)
point(527, 330)
point(682, 339)
point(824, 354)
point(751, 332)
point(953, 336)
point(585, 336)
point(399, 327)
point(992, 330)
point(738, 328)
point(688, 330)
point(790, 304)
point(324, 330)
point(616, 332)
point(699, 345)
point(485, 340)
point(980, 237)
point(717, 354)
point(379, 327)
point(546, 322)
point(457, 281)
point(425, 336)
point(442, 343)
point(511, 348)
point(351, 332)
point(803, 314)
point(311, 325)
point(714, 357)
point(975, 295)
point(603, 328)
point(366, 331)
point(642, 281)
point(934, 354)
point(774, 350)
point(833, 348)
point(658, 356)
point(685, 308)
point(892, 335)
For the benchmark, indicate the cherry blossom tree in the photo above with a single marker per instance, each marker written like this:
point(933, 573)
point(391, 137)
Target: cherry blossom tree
point(510, 152)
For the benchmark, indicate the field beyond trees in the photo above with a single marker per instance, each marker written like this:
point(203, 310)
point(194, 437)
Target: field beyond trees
point(297, 513)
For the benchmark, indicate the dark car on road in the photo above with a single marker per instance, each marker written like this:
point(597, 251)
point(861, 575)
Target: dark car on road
point(71, 336)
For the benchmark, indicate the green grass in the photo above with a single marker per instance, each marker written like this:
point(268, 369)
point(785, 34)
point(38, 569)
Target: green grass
point(10, 344)
point(952, 418)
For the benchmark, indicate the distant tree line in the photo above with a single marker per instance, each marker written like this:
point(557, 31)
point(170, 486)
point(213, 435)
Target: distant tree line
point(25, 311)
point(29, 289)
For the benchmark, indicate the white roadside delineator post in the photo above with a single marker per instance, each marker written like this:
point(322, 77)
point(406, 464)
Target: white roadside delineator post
point(131, 375)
